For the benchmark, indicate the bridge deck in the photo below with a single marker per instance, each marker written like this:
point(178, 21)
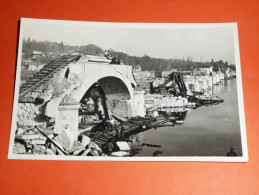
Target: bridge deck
point(47, 72)
point(132, 126)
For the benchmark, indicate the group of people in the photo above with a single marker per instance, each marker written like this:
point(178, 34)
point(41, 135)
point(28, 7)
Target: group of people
point(113, 60)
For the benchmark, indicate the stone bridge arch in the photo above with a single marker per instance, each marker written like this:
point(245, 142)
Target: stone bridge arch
point(114, 85)
point(117, 87)
point(62, 83)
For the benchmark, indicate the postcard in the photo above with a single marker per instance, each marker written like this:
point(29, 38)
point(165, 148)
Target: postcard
point(128, 92)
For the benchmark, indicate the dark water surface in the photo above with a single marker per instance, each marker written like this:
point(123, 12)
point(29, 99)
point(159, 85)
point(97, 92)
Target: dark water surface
point(207, 130)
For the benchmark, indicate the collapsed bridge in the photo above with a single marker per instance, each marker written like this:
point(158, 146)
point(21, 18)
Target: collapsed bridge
point(60, 92)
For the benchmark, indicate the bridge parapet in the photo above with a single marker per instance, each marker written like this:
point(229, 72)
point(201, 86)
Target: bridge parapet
point(85, 68)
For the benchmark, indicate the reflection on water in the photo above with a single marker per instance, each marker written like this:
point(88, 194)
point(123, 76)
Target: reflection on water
point(210, 130)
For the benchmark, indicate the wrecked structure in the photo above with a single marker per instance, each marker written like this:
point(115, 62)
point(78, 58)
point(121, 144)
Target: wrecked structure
point(174, 84)
point(178, 90)
point(77, 87)
point(81, 104)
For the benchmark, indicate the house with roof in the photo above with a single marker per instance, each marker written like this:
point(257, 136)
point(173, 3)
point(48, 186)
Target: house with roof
point(36, 54)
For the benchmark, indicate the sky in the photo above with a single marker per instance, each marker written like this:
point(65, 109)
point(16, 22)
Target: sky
point(199, 41)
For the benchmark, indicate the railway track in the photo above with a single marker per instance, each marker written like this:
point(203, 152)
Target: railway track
point(47, 72)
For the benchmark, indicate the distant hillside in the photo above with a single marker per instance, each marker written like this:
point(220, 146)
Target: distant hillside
point(159, 64)
point(54, 49)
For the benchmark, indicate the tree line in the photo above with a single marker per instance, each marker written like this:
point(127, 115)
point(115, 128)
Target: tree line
point(53, 49)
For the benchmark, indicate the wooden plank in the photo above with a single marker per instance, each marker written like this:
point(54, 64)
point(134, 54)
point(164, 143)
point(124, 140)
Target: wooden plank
point(52, 141)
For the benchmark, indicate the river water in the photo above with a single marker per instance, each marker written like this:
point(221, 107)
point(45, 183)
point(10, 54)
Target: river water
point(207, 130)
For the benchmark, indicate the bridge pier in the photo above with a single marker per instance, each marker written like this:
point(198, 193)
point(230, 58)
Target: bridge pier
point(68, 116)
point(137, 103)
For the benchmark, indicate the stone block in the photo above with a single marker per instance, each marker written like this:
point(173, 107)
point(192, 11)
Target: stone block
point(38, 141)
point(123, 146)
point(66, 139)
point(19, 131)
point(76, 146)
point(32, 136)
point(19, 149)
point(85, 140)
point(120, 154)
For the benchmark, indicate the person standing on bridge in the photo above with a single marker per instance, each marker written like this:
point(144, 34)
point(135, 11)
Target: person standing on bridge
point(106, 54)
point(231, 152)
point(110, 147)
point(122, 133)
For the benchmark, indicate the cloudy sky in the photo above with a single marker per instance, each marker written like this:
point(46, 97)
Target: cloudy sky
point(199, 41)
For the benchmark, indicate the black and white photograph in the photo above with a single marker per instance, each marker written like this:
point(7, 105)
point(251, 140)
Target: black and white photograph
point(128, 92)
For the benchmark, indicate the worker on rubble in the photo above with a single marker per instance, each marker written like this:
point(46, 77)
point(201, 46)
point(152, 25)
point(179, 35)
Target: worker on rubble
point(155, 114)
point(118, 133)
point(104, 122)
point(110, 148)
point(106, 54)
point(122, 133)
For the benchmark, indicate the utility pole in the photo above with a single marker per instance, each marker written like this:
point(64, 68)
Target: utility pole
point(212, 82)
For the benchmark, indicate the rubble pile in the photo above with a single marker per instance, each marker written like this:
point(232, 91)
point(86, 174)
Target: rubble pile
point(165, 101)
point(27, 113)
point(202, 83)
point(198, 83)
point(34, 140)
